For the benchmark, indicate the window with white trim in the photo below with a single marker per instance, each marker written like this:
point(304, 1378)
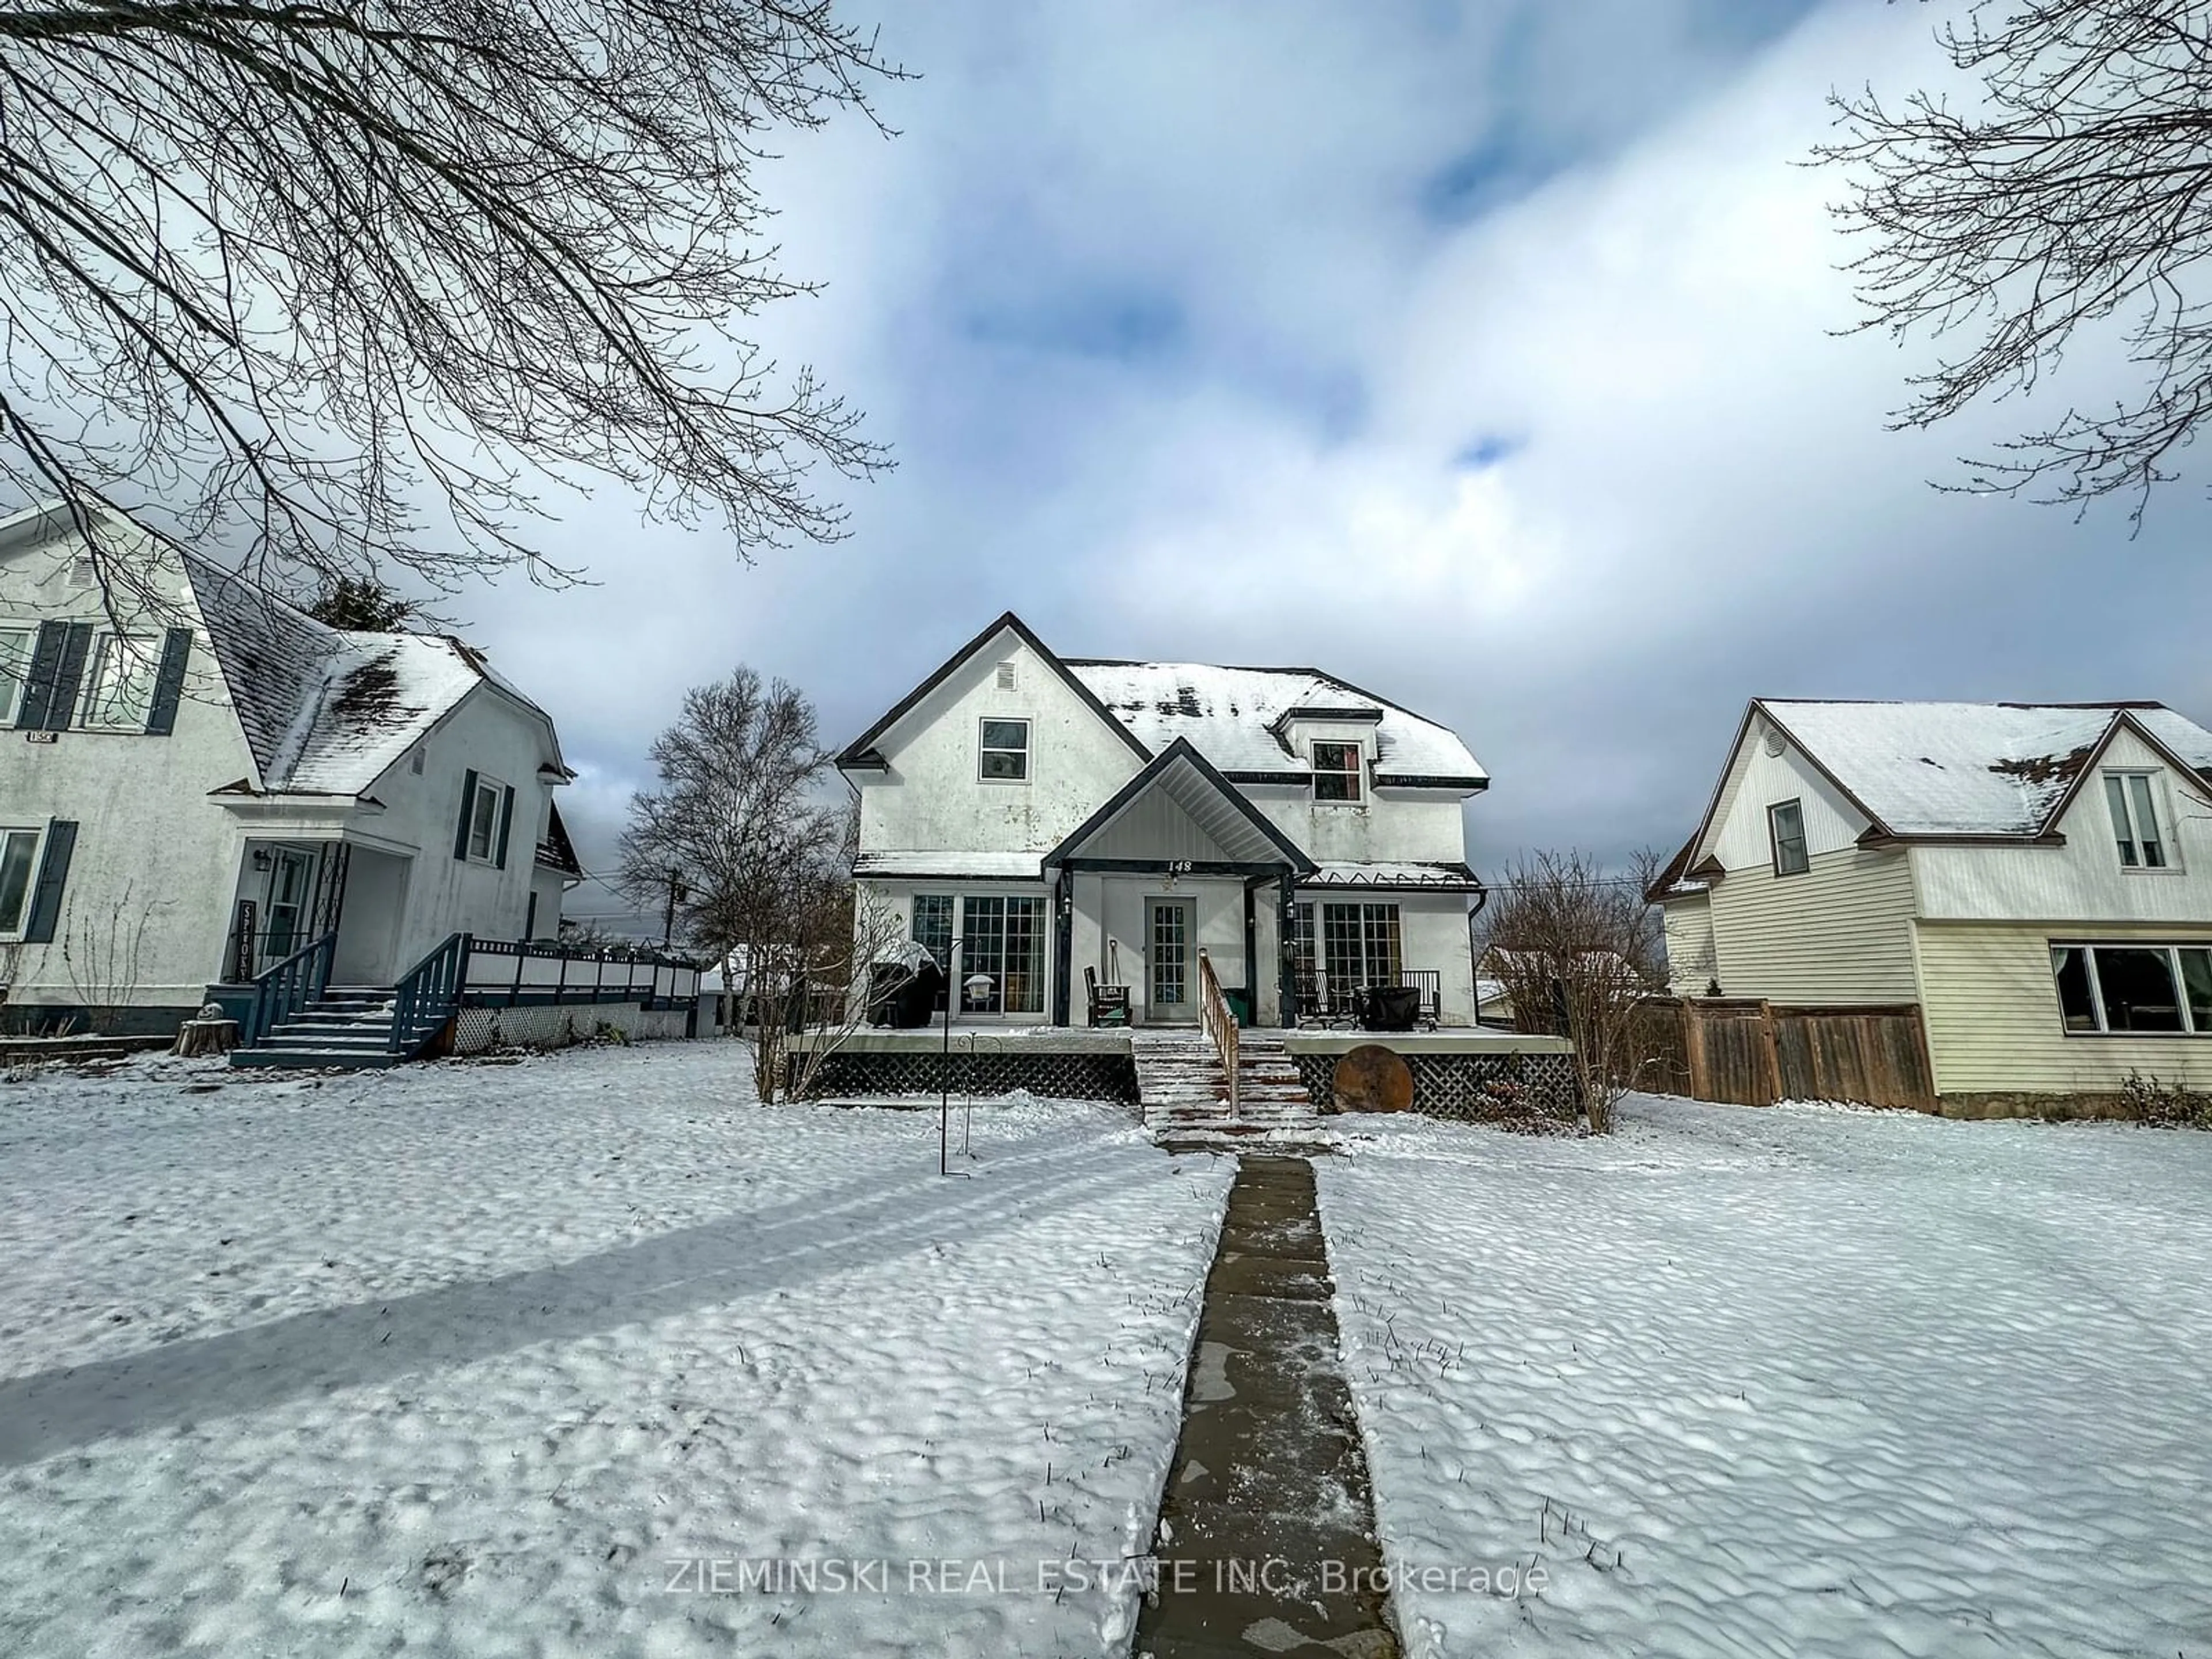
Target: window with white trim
point(484, 819)
point(2132, 799)
point(1785, 828)
point(1005, 751)
point(118, 685)
point(17, 642)
point(19, 866)
point(2134, 988)
point(1340, 772)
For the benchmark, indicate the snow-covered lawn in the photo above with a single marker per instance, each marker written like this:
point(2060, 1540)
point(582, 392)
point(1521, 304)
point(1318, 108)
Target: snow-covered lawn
point(1802, 1381)
point(469, 1360)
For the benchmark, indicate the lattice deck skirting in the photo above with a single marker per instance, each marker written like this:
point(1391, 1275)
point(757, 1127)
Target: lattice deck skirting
point(1472, 1088)
point(1109, 1077)
point(476, 1029)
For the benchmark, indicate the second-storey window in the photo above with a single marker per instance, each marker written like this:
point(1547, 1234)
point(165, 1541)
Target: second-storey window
point(119, 690)
point(1785, 827)
point(1006, 755)
point(1337, 771)
point(15, 643)
point(484, 819)
point(2135, 820)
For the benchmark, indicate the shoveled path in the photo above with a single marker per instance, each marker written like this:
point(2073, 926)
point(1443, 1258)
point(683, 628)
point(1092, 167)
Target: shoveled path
point(1268, 1521)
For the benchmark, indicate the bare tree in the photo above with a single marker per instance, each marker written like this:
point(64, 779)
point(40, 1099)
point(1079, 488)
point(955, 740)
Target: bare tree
point(1578, 952)
point(100, 952)
point(289, 270)
point(740, 844)
point(2073, 198)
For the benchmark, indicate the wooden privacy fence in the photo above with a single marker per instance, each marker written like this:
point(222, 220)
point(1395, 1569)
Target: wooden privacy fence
point(1754, 1054)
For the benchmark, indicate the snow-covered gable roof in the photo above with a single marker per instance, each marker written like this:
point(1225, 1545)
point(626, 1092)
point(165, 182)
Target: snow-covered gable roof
point(328, 710)
point(1236, 716)
point(1969, 769)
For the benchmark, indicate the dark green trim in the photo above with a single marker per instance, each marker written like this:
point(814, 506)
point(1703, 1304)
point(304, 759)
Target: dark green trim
point(62, 706)
point(53, 875)
point(45, 670)
point(857, 755)
point(169, 682)
point(468, 807)
point(1175, 867)
point(1181, 749)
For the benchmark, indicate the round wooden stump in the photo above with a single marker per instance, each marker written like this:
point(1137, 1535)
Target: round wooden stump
point(1370, 1079)
point(206, 1037)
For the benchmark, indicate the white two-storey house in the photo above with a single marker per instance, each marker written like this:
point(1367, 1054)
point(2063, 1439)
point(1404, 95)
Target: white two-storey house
point(199, 780)
point(1058, 815)
point(2035, 878)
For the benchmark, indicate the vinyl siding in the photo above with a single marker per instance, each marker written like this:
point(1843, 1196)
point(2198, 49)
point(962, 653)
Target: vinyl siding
point(1839, 933)
point(1992, 1013)
point(1691, 963)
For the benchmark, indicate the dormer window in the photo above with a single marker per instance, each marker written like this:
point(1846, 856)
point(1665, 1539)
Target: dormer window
point(1005, 753)
point(2135, 820)
point(1339, 772)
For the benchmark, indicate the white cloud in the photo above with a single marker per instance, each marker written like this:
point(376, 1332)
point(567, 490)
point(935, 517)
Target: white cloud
point(1691, 498)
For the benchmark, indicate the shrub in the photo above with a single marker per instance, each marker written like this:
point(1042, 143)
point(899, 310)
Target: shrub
point(2166, 1105)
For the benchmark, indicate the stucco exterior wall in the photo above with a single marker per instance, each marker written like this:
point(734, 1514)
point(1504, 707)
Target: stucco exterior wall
point(154, 862)
point(158, 866)
point(931, 799)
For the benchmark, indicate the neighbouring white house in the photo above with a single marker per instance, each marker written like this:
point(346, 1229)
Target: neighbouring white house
point(194, 787)
point(2034, 878)
point(1069, 820)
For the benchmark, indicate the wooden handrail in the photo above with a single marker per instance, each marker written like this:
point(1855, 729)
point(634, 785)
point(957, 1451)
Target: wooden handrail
point(1219, 1023)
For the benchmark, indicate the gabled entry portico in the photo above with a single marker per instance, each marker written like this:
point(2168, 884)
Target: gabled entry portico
point(1177, 861)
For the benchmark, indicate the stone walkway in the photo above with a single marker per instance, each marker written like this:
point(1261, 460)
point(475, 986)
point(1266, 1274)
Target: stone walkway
point(1267, 1522)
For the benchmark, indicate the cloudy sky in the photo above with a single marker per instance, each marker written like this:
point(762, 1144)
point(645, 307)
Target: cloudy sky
point(1483, 353)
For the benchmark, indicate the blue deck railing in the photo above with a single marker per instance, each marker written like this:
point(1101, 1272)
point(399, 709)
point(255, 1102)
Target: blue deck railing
point(296, 983)
point(428, 993)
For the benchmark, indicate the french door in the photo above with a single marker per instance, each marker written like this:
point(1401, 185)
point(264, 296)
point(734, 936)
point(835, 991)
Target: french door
point(1167, 963)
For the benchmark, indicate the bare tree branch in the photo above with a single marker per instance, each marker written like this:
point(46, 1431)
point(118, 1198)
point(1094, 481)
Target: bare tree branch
point(2074, 197)
point(321, 274)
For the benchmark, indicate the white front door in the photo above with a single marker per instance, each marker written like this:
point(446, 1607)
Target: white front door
point(1171, 990)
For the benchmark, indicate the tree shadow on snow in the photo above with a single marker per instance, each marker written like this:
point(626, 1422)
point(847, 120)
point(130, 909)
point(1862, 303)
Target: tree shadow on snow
point(857, 1225)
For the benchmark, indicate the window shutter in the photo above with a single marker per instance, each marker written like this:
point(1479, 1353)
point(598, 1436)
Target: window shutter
point(53, 873)
point(506, 818)
point(63, 704)
point(169, 683)
point(46, 668)
point(468, 803)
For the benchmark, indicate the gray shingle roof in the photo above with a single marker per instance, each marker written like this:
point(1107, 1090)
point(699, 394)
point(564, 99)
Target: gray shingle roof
point(328, 710)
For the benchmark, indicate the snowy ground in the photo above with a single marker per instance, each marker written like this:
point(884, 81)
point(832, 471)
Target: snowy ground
point(471, 1359)
point(1801, 1382)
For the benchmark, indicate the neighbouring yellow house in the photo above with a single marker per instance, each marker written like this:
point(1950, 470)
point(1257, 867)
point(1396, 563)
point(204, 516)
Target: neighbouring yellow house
point(2035, 878)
